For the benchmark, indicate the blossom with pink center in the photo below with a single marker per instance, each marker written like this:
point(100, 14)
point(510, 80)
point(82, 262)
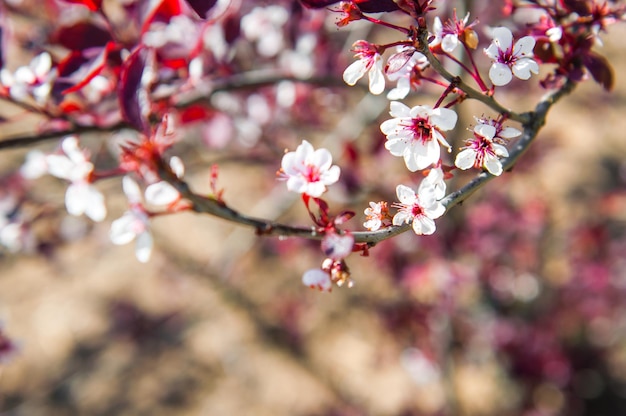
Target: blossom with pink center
point(133, 224)
point(510, 59)
point(404, 74)
point(369, 62)
point(81, 196)
point(309, 171)
point(377, 216)
point(415, 133)
point(485, 149)
point(420, 209)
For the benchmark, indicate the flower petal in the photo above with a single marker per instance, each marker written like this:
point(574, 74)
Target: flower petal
point(317, 279)
point(143, 247)
point(354, 72)
point(465, 159)
point(500, 74)
point(406, 195)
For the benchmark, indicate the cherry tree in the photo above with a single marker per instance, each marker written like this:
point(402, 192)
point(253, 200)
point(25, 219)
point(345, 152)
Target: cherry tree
point(154, 79)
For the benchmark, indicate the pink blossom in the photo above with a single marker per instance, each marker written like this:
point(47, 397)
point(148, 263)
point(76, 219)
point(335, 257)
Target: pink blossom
point(369, 62)
point(133, 224)
point(81, 196)
point(485, 148)
point(420, 209)
point(317, 279)
point(415, 133)
point(510, 59)
point(377, 216)
point(309, 171)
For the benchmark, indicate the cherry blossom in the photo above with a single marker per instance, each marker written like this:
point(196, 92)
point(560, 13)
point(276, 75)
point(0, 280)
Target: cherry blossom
point(435, 180)
point(34, 79)
point(264, 25)
point(369, 62)
point(510, 59)
point(337, 246)
point(403, 76)
point(415, 133)
point(377, 216)
point(485, 148)
point(420, 209)
point(317, 279)
point(81, 196)
point(162, 192)
point(448, 37)
point(133, 224)
point(309, 171)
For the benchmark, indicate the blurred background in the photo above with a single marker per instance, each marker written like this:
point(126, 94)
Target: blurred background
point(514, 307)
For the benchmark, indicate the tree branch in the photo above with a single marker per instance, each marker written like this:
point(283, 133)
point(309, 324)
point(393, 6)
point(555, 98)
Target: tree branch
point(209, 205)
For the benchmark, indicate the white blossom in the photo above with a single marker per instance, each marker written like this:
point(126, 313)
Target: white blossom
point(510, 59)
point(420, 209)
point(317, 279)
point(309, 171)
point(369, 62)
point(484, 150)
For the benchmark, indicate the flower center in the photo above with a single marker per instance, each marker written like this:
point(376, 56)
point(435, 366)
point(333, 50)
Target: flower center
point(421, 129)
point(416, 210)
point(311, 173)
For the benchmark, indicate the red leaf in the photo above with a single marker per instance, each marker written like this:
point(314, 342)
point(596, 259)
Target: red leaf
point(161, 11)
point(398, 60)
point(201, 6)
point(83, 74)
point(133, 94)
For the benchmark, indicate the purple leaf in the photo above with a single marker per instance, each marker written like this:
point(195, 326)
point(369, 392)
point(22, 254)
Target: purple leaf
point(201, 6)
point(600, 70)
point(133, 93)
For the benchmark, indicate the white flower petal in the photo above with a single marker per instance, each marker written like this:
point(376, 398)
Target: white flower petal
point(522, 68)
point(502, 37)
point(424, 225)
point(509, 133)
point(486, 130)
point(406, 195)
point(444, 118)
point(400, 218)
point(376, 77)
point(122, 231)
point(95, 208)
point(500, 150)
point(398, 110)
point(317, 279)
point(500, 74)
point(493, 164)
point(161, 193)
point(524, 46)
point(354, 72)
point(465, 159)
point(143, 247)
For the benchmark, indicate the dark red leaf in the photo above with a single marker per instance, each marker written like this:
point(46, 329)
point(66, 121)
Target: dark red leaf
point(201, 6)
point(366, 6)
point(600, 70)
point(133, 95)
point(82, 35)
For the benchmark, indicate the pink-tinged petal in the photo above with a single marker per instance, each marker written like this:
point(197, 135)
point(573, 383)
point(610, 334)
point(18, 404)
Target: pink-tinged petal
point(296, 184)
point(410, 160)
point(435, 210)
point(131, 190)
point(77, 198)
point(315, 189)
point(389, 126)
point(373, 224)
point(465, 159)
point(492, 51)
point(317, 279)
point(449, 43)
point(509, 133)
point(500, 150)
point(502, 37)
point(396, 146)
point(320, 158)
point(444, 118)
point(288, 163)
point(122, 229)
point(398, 110)
point(161, 193)
point(486, 130)
point(143, 247)
point(95, 208)
point(500, 74)
point(177, 166)
point(400, 218)
point(431, 156)
point(524, 46)
point(420, 111)
point(354, 72)
point(522, 68)
point(376, 77)
point(492, 164)
point(337, 247)
point(424, 225)
point(331, 175)
point(406, 195)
